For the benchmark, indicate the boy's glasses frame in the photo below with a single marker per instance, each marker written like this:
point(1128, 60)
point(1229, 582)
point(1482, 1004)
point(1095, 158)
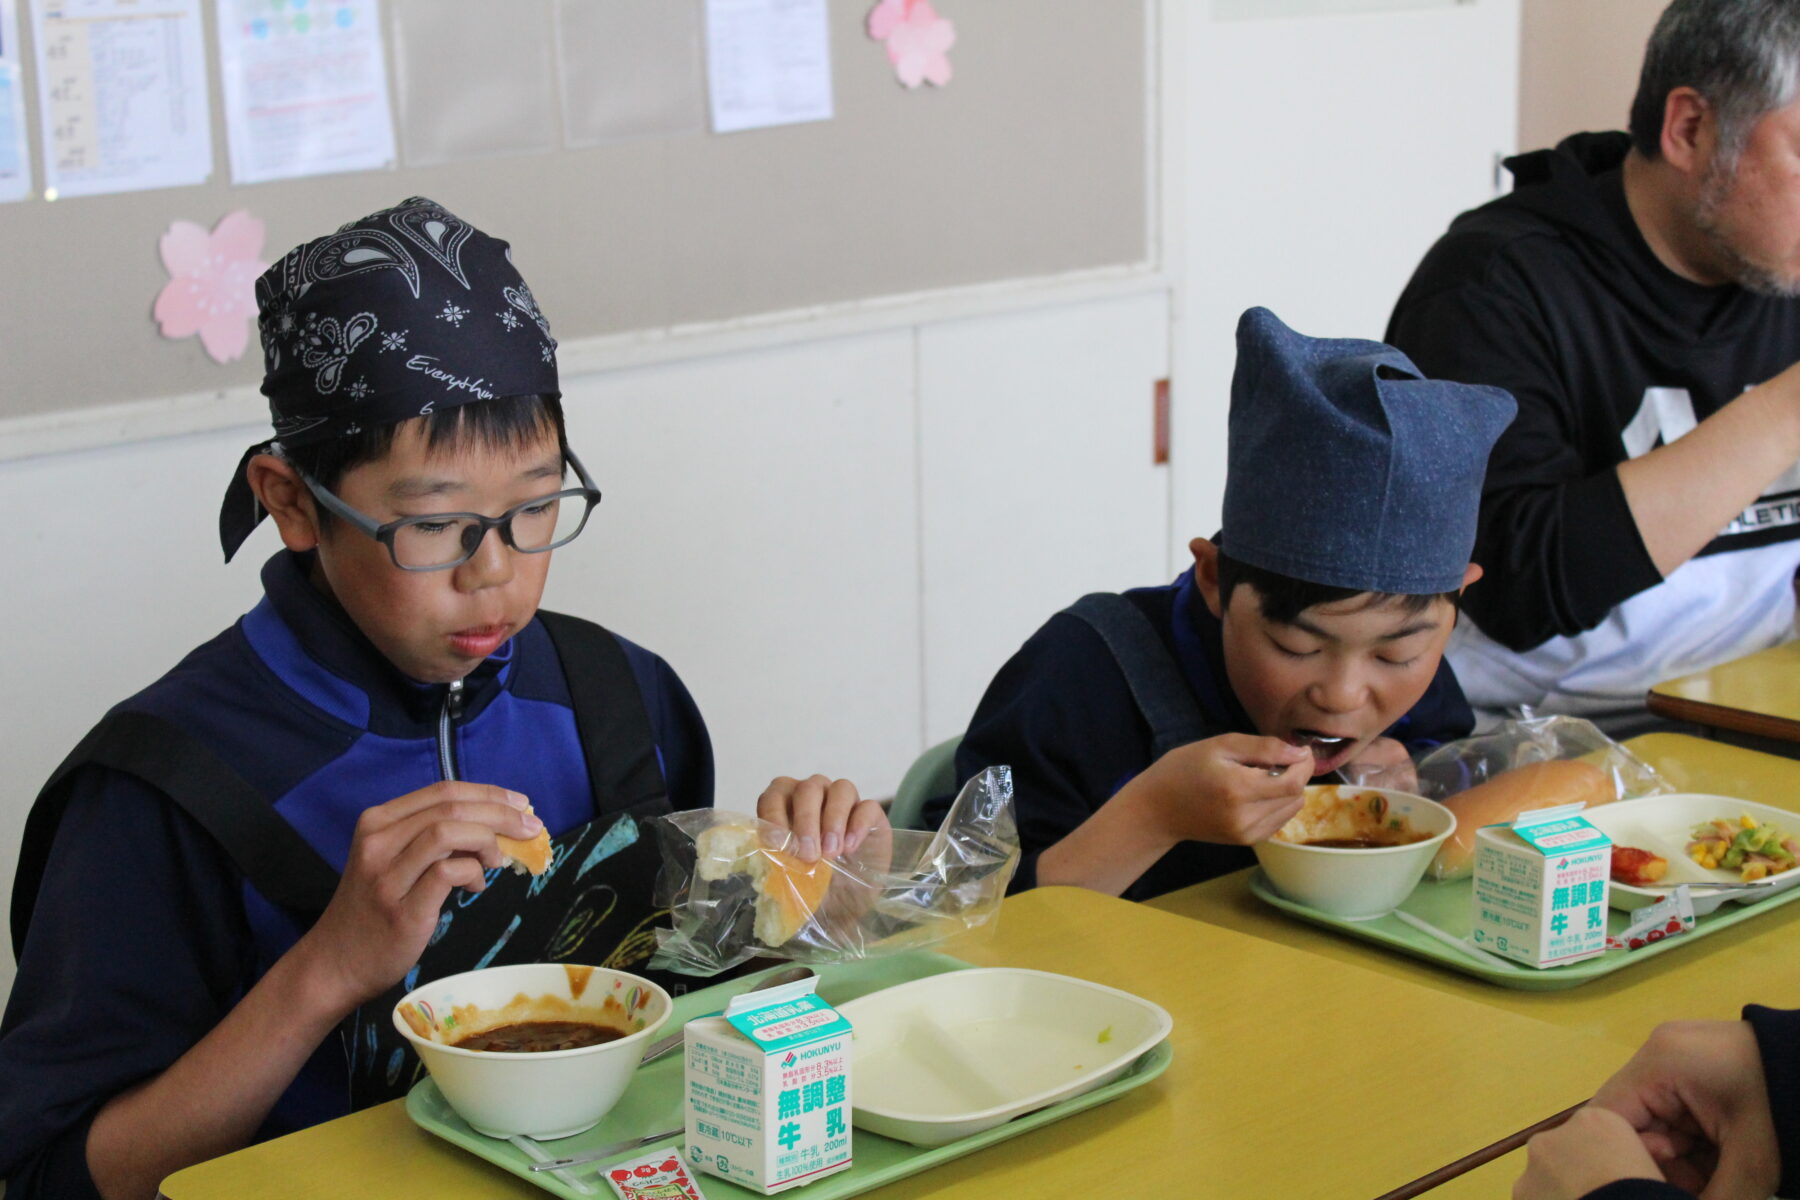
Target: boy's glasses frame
point(387, 533)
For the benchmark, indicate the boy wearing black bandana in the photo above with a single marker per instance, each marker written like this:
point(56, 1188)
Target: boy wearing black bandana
point(1154, 735)
point(271, 843)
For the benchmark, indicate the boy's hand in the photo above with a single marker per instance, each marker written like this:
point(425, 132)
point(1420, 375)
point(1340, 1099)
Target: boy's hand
point(1222, 789)
point(827, 817)
point(1384, 763)
point(1594, 1147)
point(405, 858)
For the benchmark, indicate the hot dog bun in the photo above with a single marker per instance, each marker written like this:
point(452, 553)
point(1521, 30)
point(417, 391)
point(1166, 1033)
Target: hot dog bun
point(788, 891)
point(1505, 796)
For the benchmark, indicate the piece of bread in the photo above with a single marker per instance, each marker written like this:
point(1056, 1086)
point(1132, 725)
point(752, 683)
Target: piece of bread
point(1505, 796)
point(788, 891)
point(529, 855)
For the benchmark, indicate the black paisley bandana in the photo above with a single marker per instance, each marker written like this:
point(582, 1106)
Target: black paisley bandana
point(404, 313)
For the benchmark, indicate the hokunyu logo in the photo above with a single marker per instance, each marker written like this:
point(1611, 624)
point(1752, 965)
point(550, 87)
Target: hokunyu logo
point(789, 1060)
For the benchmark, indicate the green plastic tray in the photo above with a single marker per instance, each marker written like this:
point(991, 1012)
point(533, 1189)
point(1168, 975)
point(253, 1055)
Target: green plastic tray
point(1449, 907)
point(654, 1101)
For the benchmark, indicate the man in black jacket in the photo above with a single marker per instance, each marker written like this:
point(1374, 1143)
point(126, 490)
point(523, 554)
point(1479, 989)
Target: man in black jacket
point(1637, 294)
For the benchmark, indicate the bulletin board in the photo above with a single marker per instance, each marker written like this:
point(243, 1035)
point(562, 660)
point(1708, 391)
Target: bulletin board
point(1031, 162)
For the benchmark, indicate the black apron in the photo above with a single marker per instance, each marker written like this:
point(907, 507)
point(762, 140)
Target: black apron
point(593, 905)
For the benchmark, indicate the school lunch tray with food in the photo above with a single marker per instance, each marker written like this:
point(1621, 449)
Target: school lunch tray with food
point(1661, 824)
point(1448, 907)
point(654, 1101)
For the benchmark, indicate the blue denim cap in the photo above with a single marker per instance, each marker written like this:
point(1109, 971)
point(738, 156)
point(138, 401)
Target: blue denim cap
point(1347, 467)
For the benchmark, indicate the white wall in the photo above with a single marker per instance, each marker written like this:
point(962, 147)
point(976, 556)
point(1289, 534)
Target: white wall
point(1320, 158)
point(1578, 65)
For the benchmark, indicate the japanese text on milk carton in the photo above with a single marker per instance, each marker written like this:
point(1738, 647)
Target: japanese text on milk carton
point(768, 1089)
point(1540, 887)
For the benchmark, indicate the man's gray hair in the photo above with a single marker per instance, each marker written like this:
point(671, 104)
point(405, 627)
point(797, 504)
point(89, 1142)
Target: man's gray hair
point(1743, 56)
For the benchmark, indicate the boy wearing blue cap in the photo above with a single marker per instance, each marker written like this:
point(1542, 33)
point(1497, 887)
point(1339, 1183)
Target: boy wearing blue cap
point(302, 820)
point(1154, 735)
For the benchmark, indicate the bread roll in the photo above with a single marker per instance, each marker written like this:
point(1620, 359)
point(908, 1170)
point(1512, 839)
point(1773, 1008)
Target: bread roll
point(529, 855)
point(788, 891)
point(1505, 796)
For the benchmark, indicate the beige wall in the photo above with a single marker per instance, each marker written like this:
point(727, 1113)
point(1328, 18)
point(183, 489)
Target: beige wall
point(1578, 65)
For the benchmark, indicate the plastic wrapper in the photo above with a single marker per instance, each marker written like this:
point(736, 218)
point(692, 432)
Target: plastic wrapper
point(1460, 765)
point(736, 891)
point(1455, 767)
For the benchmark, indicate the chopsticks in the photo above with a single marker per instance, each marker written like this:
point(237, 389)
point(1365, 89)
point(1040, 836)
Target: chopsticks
point(1480, 1158)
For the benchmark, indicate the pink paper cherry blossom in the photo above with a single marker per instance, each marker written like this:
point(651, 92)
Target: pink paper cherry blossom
point(918, 40)
point(212, 283)
point(885, 17)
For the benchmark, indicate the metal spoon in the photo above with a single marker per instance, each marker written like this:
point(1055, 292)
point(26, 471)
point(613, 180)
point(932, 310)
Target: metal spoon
point(559, 1165)
point(666, 1045)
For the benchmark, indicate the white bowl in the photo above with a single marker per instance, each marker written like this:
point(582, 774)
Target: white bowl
point(949, 1055)
point(1358, 884)
point(544, 1095)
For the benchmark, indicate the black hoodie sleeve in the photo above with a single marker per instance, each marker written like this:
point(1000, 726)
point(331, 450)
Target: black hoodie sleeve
point(1639, 1189)
point(1556, 539)
point(1778, 1038)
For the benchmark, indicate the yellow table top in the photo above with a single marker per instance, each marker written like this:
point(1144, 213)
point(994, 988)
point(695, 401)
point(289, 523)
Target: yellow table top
point(1294, 1075)
point(1751, 962)
point(1757, 694)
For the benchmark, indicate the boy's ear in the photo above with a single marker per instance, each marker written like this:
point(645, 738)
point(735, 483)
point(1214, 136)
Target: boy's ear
point(1206, 574)
point(281, 491)
point(1473, 573)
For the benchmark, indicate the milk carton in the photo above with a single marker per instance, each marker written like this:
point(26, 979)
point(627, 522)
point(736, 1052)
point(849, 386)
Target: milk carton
point(768, 1089)
point(1540, 887)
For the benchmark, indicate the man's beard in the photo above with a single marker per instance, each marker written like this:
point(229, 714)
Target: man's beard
point(1715, 189)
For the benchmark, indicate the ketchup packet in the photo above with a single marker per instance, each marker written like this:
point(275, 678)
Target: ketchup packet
point(658, 1175)
point(1671, 915)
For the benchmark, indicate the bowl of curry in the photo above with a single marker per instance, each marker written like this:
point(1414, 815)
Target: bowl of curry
point(540, 1049)
point(1355, 852)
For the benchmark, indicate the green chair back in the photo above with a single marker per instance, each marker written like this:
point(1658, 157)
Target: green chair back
point(933, 773)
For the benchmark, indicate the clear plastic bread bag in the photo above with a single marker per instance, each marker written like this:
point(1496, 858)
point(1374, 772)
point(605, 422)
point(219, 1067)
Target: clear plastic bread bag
point(735, 890)
point(1457, 766)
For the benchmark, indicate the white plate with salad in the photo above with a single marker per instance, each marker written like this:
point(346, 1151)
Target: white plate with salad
point(1701, 840)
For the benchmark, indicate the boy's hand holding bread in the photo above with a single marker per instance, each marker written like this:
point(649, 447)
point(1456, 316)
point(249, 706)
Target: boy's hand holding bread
point(405, 858)
point(827, 817)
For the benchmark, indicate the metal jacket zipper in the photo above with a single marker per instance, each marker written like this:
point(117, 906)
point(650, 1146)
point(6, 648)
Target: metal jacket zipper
point(453, 701)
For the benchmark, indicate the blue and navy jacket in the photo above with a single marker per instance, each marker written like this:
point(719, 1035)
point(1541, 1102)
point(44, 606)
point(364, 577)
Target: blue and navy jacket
point(1062, 715)
point(143, 931)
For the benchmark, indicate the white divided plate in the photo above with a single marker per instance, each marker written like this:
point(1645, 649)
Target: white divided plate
point(1661, 824)
point(950, 1055)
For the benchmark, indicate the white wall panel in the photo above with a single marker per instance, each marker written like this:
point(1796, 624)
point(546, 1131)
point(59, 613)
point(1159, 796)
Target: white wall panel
point(760, 531)
point(1321, 156)
point(1038, 486)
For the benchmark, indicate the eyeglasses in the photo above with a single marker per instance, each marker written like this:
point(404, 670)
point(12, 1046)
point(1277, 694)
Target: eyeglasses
point(439, 541)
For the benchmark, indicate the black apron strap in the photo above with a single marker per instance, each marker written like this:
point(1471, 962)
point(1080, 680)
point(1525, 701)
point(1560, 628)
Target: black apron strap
point(272, 855)
point(1162, 695)
point(610, 717)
